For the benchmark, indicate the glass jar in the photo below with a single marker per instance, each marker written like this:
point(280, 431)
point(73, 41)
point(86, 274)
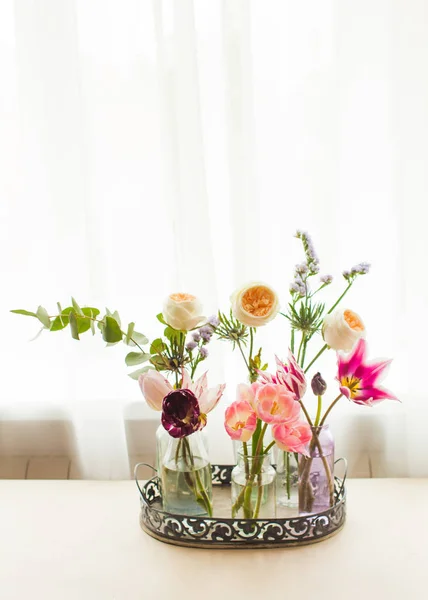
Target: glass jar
point(316, 473)
point(253, 487)
point(287, 478)
point(186, 476)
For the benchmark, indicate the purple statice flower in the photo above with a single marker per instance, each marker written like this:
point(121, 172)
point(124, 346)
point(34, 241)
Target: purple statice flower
point(196, 336)
point(326, 279)
point(214, 321)
point(206, 333)
point(203, 351)
point(301, 269)
point(361, 269)
point(191, 346)
point(181, 415)
point(312, 259)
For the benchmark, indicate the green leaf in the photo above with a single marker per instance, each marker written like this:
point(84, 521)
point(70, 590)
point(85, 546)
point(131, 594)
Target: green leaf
point(135, 374)
point(76, 306)
point(157, 346)
point(83, 324)
point(59, 323)
point(160, 318)
point(73, 326)
point(21, 311)
point(129, 333)
point(93, 327)
point(43, 317)
point(90, 311)
point(111, 331)
point(171, 334)
point(140, 338)
point(136, 358)
point(115, 316)
point(159, 363)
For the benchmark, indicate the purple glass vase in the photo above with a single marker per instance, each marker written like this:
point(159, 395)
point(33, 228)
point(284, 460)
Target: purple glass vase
point(316, 473)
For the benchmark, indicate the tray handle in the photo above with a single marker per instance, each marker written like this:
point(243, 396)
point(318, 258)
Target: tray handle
point(345, 462)
point(137, 466)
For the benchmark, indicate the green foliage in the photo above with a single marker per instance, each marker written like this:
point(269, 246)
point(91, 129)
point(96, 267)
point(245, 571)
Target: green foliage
point(160, 318)
point(82, 319)
point(231, 330)
point(136, 358)
point(135, 374)
point(307, 318)
point(21, 311)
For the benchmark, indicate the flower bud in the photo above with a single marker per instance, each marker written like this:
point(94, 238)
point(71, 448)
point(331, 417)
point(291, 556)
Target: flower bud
point(318, 384)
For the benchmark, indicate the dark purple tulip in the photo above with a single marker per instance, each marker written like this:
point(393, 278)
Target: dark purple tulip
point(181, 415)
point(318, 384)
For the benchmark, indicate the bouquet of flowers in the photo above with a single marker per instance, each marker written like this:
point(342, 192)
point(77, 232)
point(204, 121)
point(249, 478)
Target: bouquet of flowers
point(277, 400)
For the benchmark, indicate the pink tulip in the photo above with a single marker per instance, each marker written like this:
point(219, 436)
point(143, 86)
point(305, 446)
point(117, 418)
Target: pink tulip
point(292, 438)
point(359, 379)
point(274, 403)
point(154, 387)
point(291, 375)
point(240, 420)
point(208, 398)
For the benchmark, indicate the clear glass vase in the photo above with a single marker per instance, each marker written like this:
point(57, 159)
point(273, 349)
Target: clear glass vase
point(287, 479)
point(186, 476)
point(253, 487)
point(316, 473)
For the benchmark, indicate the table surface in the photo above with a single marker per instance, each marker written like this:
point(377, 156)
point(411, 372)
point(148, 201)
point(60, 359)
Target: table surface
point(80, 540)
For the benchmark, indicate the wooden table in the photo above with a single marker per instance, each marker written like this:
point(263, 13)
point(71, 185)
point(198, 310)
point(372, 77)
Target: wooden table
point(80, 540)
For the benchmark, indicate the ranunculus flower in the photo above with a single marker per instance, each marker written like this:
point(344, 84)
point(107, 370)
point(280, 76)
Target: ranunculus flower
point(291, 375)
point(182, 311)
point(208, 398)
point(342, 329)
point(240, 420)
point(181, 415)
point(359, 380)
point(154, 387)
point(292, 438)
point(255, 304)
point(274, 403)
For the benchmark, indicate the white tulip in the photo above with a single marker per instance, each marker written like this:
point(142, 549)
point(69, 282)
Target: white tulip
point(183, 312)
point(342, 329)
point(255, 304)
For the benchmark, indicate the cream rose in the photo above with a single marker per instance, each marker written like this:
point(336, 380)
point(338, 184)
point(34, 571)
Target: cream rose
point(255, 304)
point(183, 312)
point(342, 329)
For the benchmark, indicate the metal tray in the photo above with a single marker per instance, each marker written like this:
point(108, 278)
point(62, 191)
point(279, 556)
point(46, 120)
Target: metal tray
point(221, 531)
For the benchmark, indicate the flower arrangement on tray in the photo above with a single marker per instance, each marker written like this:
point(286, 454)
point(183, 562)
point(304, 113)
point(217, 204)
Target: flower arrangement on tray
point(271, 410)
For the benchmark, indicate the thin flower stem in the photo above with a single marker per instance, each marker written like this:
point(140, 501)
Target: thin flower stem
point(244, 357)
point(247, 466)
point(318, 415)
point(271, 445)
point(259, 497)
point(323, 349)
point(335, 401)
point(300, 348)
point(304, 352)
point(288, 481)
point(340, 298)
point(308, 418)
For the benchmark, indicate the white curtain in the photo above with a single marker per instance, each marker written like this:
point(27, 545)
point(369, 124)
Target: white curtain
point(155, 146)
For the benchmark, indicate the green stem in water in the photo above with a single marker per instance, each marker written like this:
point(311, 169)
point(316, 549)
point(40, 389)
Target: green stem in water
point(316, 357)
point(246, 464)
point(335, 401)
point(318, 416)
point(288, 481)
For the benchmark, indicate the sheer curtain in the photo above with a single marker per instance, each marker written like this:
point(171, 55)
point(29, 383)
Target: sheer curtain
point(152, 146)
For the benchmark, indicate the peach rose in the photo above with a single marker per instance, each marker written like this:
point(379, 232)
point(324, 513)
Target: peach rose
point(182, 311)
point(255, 304)
point(342, 329)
